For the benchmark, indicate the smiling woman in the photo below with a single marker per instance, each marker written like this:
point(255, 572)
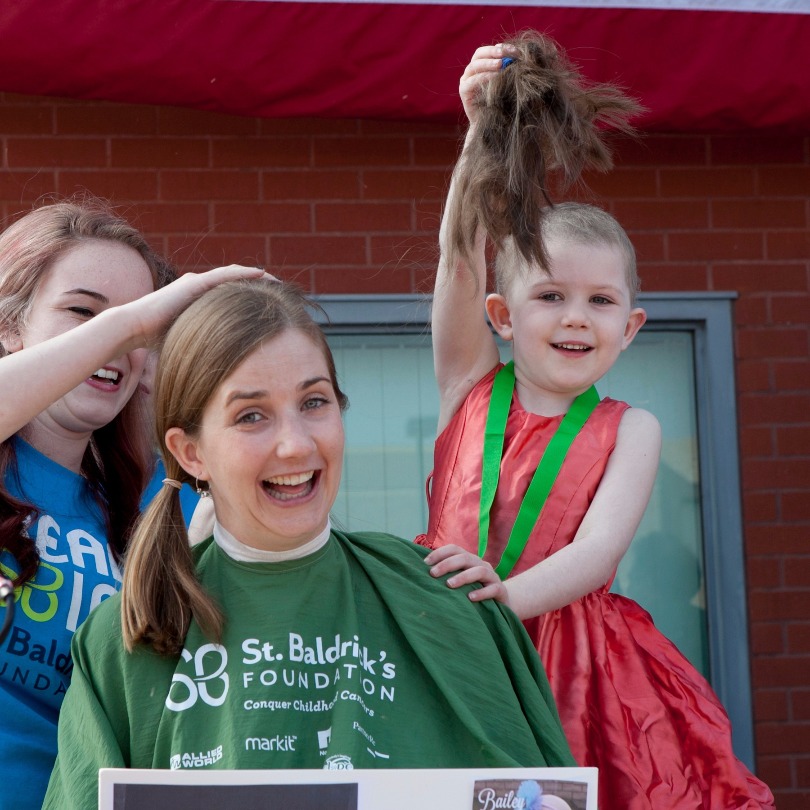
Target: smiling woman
point(77, 310)
point(335, 633)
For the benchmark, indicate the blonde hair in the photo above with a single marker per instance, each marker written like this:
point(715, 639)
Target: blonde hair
point(581, 224)
point(118, 457)
point(161, 593)
point(536, 117)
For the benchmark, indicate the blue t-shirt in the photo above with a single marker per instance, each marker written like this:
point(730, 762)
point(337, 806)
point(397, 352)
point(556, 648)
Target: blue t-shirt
point(188, 497)
point(76, 572)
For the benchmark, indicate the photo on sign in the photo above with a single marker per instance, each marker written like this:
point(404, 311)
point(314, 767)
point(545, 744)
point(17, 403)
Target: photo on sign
point(225, 797)
point(529, 794)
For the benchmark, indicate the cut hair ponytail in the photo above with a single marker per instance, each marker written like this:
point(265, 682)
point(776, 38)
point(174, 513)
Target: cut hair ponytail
point(536, 117)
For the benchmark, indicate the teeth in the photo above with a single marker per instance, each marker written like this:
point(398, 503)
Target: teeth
point(291, 480)
point(107, 374)
point(573, 346)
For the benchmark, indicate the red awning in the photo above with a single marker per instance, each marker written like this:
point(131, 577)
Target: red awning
point(695, 69)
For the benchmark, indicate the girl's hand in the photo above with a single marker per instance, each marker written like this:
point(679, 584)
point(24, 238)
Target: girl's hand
point(154, 312)
point(470, 569)
point(486, 62)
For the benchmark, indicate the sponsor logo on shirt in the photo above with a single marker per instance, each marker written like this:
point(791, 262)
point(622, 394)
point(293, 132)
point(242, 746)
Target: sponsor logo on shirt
point(339, 762)
point(209, 683)
point(192, 760)
point(285, 742)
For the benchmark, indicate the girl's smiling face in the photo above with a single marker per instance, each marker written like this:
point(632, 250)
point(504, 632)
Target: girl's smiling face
point(270, 445)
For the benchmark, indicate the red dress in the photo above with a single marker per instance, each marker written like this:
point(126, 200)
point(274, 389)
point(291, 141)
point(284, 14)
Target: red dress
point(630, 703)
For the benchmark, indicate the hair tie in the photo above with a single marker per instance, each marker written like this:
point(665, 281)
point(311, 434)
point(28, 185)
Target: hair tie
point(172, 483)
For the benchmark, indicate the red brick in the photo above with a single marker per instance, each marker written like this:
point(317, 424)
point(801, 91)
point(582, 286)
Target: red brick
point(795, 506)
point(708, 182)
point(757, 442)
point(650, 247)
point(25, 119)
point(749, 310)
point(798, 637)
point(791, 375)
point(405, 183)
point(800, 698)
point(774, 771)
point(22, 187)
point(797, 569)
point(40, 152)
point(208, 185)
point(412, 251)
point(666, 215)
point(155, 217)
point(318, 250)
point(106, 119)
point(794, 440)
point(363, 217)
point(757, 409)
point(767, 637)
point(248, 153)
point(440, 152)
point(308, 127)
point(160, 153)
point(117, 186)
point(748, 149)
point(623, 183)
point(215, 251)
point(773, 343)
point(791, 309)
point(784, 181)
point(776, 538)
point(310, 185)
point(716, 246)
point(759, 507)
point(760, 277)
point(771, 704)
point(264, 218)
point(791, 800)
point(803, 771)
point(362, 152)
point(390, 279)
point(758, 213)
point(663, 150)
point(764, 573)
point(369, 127)
point(666, 277)
point(782, 605)
point(782, 738)
point(782, 245)
point(186, 121)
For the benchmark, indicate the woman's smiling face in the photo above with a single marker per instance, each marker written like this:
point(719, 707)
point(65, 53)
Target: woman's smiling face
point(270, 445)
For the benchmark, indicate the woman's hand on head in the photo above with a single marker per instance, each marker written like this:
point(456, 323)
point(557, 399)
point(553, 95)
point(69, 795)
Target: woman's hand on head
point(485, 63)
point(156, 311)
point(469, 568)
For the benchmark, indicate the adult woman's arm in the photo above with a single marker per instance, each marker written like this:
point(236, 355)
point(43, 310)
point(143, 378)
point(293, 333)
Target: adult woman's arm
point(31, 379)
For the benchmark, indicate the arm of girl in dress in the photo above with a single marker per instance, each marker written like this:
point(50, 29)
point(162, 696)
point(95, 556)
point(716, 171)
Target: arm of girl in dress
point(604, 536)
point(464, 349)
point(46, 371)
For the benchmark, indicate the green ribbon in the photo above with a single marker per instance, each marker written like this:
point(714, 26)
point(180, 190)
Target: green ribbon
point(544, 476)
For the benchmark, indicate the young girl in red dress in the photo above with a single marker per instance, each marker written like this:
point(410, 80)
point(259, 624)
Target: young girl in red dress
point(538, 485)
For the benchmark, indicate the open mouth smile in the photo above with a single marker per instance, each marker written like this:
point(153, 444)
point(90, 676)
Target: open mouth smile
point(291, 487)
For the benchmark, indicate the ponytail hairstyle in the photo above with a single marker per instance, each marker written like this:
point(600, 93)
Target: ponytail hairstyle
point(118, 457)
point(536, 116)
point(161, 593)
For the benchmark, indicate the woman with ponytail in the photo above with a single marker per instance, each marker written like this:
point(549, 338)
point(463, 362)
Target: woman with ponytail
point(279, 621)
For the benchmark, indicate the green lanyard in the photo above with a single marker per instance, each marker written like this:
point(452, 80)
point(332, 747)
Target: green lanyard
point(544, 476)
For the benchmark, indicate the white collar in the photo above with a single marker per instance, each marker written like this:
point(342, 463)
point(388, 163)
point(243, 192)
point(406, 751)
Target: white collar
point(239, 551)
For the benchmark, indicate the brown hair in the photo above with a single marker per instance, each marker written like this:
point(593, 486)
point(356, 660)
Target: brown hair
point(581, 224)
point(161, 593)
point(119, 454)
point(536, 116)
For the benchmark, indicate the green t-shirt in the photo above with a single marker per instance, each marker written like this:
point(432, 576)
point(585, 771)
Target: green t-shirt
point(352, 657)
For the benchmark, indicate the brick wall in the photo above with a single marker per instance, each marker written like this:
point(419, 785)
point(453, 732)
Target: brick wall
point(352, 206)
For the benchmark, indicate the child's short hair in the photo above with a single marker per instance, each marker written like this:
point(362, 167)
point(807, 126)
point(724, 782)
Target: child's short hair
point(573, 222)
